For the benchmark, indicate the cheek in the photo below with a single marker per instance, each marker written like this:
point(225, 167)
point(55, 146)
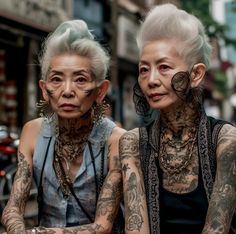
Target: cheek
point(53, 94)
point(167, 85)
point(85, 103)
point(142, 85)
point(86, 95)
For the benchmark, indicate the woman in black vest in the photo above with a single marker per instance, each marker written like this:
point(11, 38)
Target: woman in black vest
point(179, 172)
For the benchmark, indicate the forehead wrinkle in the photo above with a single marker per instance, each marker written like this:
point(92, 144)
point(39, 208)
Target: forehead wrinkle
point(157, 61)
point(82, 71)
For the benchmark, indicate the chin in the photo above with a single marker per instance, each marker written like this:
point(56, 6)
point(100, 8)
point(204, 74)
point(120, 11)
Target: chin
point(70, 115)
point(162, 106)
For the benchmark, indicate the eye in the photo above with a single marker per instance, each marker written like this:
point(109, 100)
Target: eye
point(55, 79)
point(143, 70)
point(164, 67)
point(81, 80)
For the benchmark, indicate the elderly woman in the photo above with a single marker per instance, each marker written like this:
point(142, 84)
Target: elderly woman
point(179, 172)
point(72, 146)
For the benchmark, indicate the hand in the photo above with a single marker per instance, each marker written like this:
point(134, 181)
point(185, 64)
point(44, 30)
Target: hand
point(37, 230)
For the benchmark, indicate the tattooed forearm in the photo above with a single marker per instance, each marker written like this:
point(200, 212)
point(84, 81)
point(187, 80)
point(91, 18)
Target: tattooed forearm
point(85, 229)
point(223, 199)
point(134, 217)
point(134, 192)
point(89, 229)
point(107, 207)
point(110, 196)
point(45, 230)
point(12, 216)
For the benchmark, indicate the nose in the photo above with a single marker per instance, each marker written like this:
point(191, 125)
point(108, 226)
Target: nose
point(68, 90)
point(154, 79)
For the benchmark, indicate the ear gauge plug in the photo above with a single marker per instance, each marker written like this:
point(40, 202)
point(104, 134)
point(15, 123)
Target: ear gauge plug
point(180, 83)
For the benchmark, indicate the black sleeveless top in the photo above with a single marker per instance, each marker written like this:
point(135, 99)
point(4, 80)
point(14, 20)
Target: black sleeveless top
point(182, 213)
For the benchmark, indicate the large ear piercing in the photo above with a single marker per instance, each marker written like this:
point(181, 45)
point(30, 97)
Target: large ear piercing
point(140, 102)
point(98, 112)
point(142, 106)
point(45, 109)
point(180, 83)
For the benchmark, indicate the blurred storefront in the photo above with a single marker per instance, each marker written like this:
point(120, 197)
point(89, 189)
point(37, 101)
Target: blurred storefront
point(128, 14)
point(115, 27)
point(23, 26)
point(115, 24)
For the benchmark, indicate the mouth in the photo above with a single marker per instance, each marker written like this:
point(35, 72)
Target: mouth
point(155, 96)
point(67, 106)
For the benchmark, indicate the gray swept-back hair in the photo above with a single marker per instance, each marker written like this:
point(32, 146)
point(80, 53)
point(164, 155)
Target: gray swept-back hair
point(74, 37)
point(168, 22)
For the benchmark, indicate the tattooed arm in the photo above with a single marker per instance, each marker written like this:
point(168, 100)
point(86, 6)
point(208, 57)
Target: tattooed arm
point(223, 199)
point(13, 214)
point(136, 214)
point(107, 207)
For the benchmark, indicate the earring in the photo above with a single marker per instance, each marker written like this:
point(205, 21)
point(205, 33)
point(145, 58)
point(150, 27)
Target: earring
point(141, 105)
point(196, 95)
point(45, 109)
point(98, 112)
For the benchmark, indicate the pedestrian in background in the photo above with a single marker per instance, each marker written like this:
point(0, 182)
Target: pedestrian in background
point(72, 146)
point(179, 172)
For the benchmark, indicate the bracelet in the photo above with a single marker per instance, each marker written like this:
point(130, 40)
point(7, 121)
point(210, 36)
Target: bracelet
point(34, 231)
point(37, 230)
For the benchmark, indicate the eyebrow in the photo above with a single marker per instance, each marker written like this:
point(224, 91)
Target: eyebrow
point(82, 71)
point(76, 72)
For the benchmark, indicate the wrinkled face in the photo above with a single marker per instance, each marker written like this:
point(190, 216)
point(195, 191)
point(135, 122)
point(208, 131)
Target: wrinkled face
point(159, 62)
point(70, 87)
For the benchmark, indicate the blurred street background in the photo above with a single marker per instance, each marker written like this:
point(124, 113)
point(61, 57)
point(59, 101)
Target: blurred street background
point(25, 23)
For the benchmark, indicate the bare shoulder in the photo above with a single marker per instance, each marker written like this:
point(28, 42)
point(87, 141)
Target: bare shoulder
point(113, 147)
point(227, 134)
point(29, 134)
point(35, 123)
point(129, 145)
point(226, 140)
point(130, 136)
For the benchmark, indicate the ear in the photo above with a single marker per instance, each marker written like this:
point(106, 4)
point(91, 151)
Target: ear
point(102, 90)
point(42, 86)
point(197, 74)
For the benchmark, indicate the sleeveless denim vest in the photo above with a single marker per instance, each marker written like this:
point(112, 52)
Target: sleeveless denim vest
point(56, 210)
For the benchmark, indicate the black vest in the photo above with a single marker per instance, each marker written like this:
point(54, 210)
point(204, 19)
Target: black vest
point(209, 129)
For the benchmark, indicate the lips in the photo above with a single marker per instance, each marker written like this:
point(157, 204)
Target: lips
point(67, 106)
point(155, 96)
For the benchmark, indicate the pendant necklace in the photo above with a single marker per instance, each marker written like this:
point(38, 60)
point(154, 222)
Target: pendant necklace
point(68, 152)
point(176, 154)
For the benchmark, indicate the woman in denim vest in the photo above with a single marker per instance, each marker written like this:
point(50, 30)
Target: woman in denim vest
point(72, 146)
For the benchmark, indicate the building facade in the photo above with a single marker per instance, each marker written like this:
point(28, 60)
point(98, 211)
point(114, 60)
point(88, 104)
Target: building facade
point(24, 25)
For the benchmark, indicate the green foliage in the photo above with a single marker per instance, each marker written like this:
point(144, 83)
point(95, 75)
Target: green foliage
point(201, 9)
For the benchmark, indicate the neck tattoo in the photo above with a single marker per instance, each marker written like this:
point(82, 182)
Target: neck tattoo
point(67, 151)
point(176, 149)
